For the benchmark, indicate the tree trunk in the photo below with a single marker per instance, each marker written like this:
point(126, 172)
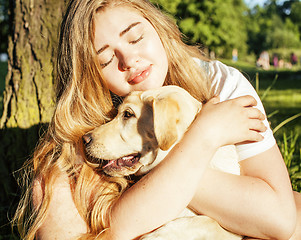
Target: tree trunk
point(28, 99)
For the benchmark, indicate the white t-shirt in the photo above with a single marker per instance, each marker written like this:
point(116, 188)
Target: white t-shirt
point(230, 83)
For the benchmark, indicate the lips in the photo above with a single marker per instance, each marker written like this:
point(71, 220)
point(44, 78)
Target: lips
point(140, 76)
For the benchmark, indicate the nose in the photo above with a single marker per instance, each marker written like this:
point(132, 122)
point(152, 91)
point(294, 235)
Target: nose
point(127, 59)
point(87, 139)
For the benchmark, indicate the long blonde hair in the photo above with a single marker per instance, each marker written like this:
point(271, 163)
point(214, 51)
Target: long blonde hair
point(84, 102)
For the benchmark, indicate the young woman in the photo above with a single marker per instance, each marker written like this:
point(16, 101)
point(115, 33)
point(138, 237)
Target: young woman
point(107, 49)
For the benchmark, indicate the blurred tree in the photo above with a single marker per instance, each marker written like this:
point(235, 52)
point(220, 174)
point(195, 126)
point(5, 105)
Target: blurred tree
point(274, 26)
point(295, 14)
point(222, 25)
point(28, 97)
point(217, 24)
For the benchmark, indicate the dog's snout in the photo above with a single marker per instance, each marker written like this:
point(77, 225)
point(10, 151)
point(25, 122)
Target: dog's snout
point(87, 139)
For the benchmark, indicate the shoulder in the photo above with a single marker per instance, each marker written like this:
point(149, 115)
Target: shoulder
point(230, 83)
point(60, 186)
point(62, 220)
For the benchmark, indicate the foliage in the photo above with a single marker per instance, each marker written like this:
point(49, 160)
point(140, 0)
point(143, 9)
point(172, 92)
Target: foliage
point(286, 36)
point(295, 13)
point(217, 24)
point(274, 26)
point(221, 25)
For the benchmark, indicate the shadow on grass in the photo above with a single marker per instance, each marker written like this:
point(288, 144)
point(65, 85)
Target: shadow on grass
point(16, 147)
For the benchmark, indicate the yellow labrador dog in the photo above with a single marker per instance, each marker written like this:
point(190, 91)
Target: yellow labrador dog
point(146, 127)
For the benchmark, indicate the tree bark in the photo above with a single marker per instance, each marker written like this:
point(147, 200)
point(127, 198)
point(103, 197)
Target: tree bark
point(28, 99)
point(29, 96)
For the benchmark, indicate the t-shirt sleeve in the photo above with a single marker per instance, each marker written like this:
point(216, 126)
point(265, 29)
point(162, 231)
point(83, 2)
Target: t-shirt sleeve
point(229, 83)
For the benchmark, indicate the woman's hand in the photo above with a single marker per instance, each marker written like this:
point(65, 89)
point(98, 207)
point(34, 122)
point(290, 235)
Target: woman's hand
point(231, 122)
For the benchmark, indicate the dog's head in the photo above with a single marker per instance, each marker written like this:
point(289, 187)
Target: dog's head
point(146, 123)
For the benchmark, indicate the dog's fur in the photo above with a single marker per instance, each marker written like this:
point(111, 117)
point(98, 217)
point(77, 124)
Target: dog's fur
point(146, 127)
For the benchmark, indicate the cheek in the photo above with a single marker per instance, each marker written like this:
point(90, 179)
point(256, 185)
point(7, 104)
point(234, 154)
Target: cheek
point(157, 55)
point(114, 80)
point(156, 49)
point(161, 57)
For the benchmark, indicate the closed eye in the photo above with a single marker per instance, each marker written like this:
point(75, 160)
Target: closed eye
point(137, 40)
point(107, 63)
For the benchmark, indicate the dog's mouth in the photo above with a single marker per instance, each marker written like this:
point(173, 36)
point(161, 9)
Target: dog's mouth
point(126, 161)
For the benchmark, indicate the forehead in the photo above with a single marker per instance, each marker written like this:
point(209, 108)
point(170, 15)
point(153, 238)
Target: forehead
point(113, 20)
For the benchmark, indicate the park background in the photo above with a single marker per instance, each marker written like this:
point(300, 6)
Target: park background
point(222, 28)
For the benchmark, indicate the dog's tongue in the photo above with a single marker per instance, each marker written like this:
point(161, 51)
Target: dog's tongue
point(127, 161)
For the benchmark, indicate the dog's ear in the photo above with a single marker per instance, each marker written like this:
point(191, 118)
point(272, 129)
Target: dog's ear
point(166, 118)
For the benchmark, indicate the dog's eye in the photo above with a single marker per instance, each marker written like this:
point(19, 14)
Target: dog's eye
point(128, 114)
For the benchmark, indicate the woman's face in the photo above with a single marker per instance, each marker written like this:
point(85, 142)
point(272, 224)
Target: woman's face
point(129, 50)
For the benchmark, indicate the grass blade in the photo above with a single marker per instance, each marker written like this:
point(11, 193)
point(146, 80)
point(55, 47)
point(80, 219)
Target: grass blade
point(280, 125)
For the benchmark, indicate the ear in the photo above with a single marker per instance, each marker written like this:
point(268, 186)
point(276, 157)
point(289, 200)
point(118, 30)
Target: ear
point(166, 118)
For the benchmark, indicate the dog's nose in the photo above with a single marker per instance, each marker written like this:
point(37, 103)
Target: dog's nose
point(87, 139)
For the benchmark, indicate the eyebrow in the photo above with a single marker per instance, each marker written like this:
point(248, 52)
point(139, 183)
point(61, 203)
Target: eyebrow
point(121, 34)
point(128, 28)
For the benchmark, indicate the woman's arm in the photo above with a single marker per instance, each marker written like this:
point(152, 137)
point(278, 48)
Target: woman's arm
point(164, 192)
point(259, 203)
point(264, 192)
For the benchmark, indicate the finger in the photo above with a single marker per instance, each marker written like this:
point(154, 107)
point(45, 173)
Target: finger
point(252, 136)
point(255, 136)
point(257, 125)
point(254, 113)
point(246, 101)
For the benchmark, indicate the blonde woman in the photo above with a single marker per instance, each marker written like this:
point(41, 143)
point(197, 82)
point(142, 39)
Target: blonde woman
point(108, 49)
